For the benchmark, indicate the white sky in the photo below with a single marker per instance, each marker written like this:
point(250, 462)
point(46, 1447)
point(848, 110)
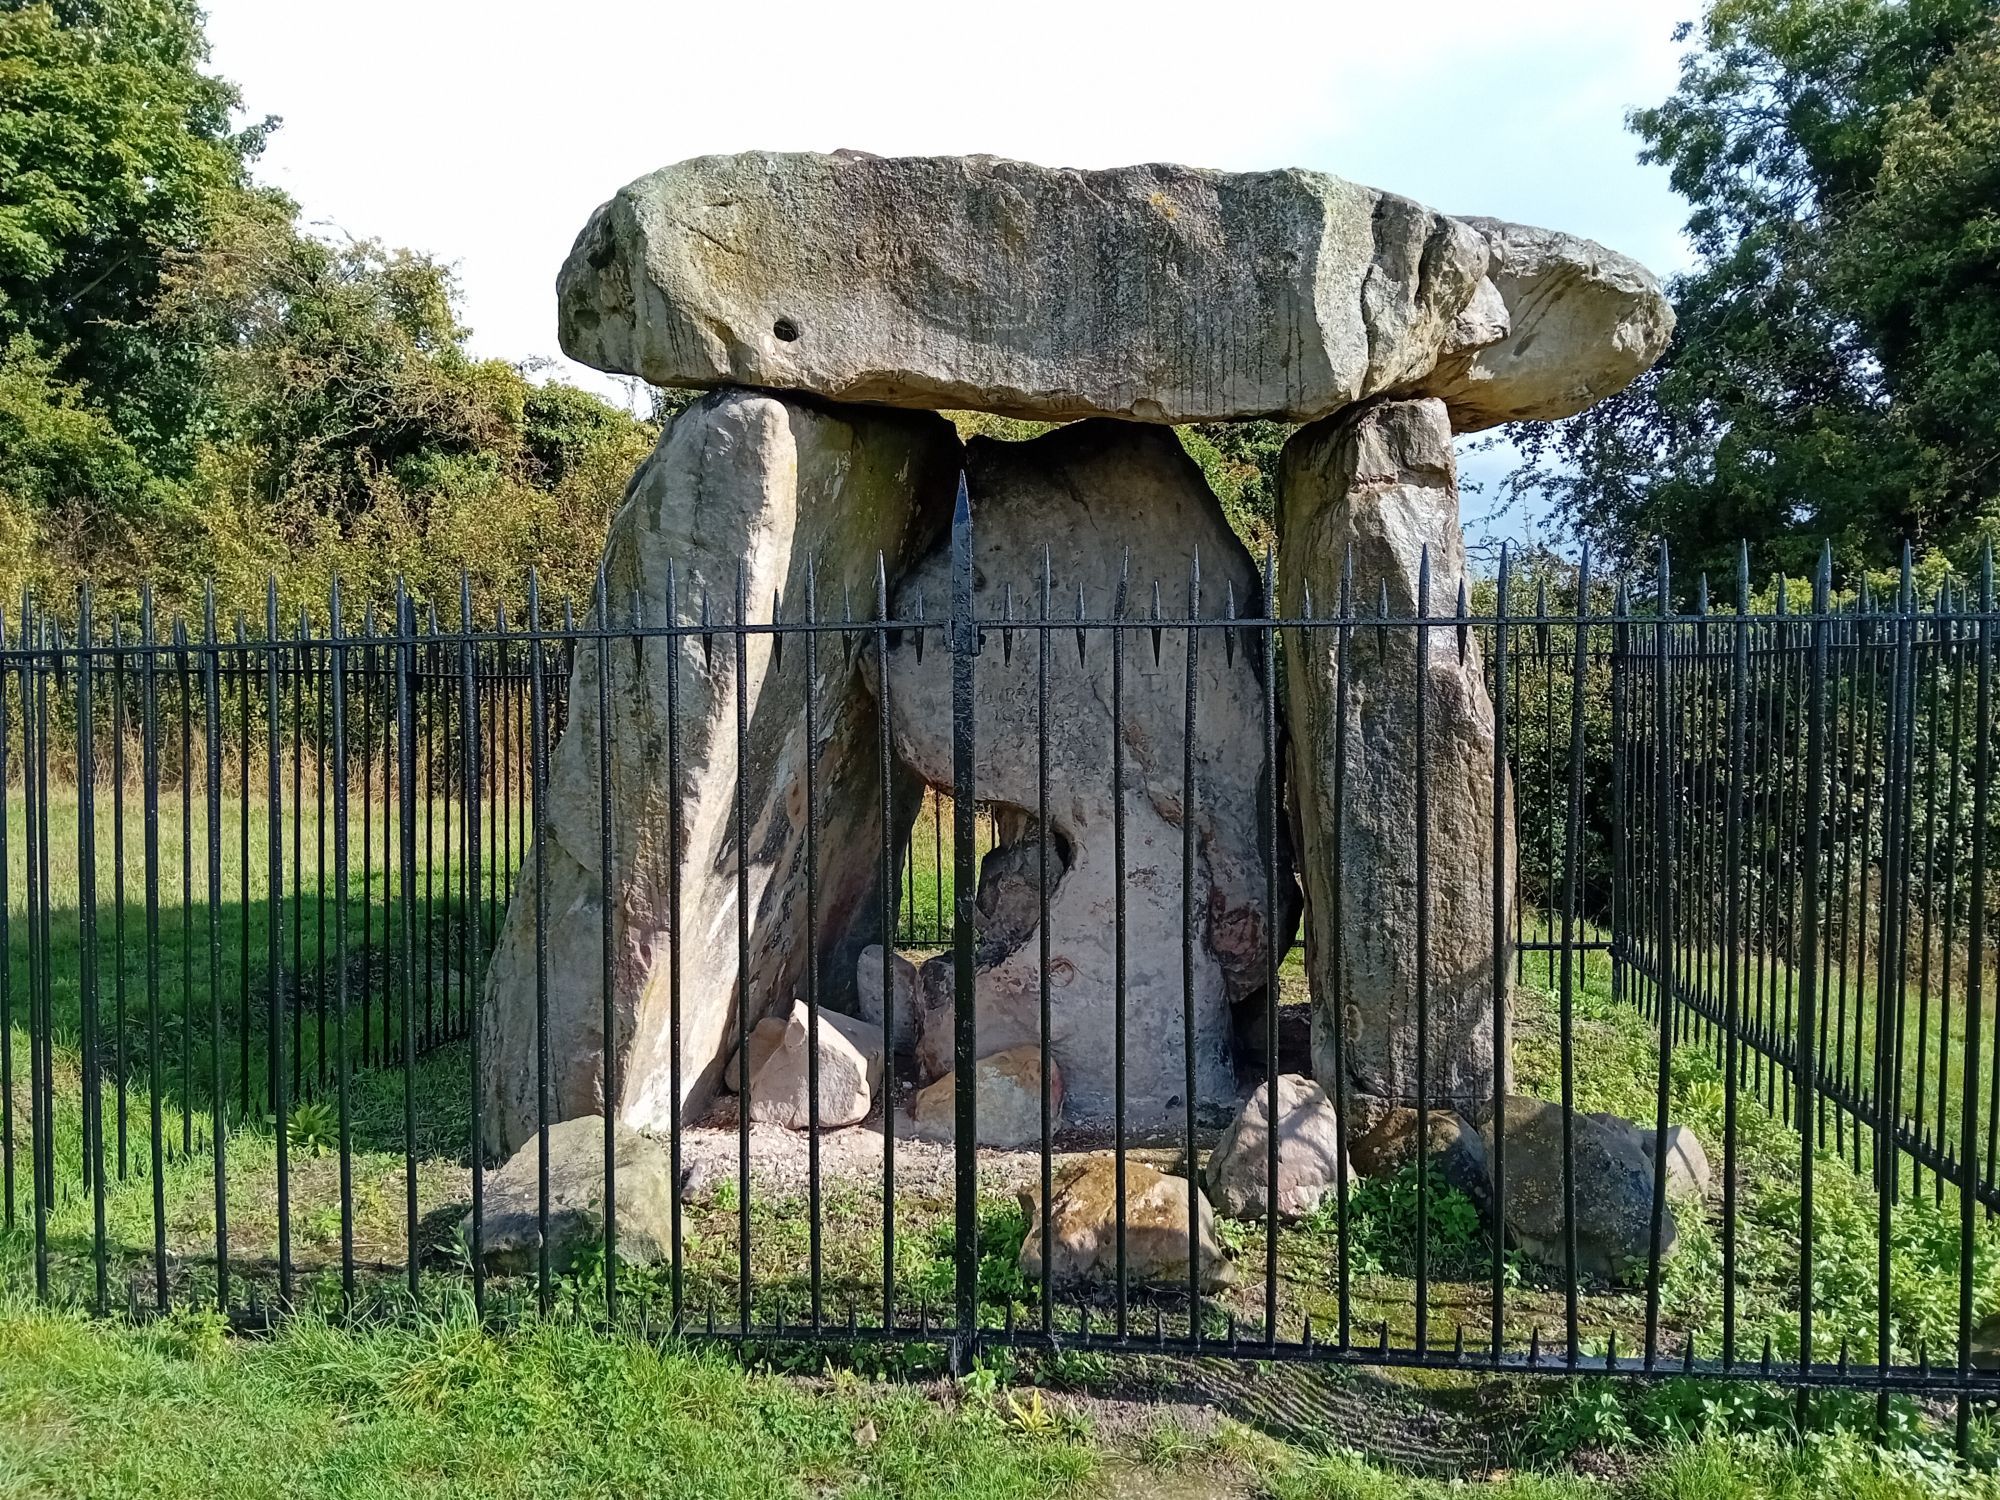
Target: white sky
point(485, 131)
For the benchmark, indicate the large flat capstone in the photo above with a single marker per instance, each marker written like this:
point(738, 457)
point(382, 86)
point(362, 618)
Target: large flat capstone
point(1582, 322)
point(1157, 293)
point(1161, 293)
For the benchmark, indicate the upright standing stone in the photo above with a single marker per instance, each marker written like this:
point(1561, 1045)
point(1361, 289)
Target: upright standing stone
point(1096, 494)
point(1381, 482)
point(764, 484)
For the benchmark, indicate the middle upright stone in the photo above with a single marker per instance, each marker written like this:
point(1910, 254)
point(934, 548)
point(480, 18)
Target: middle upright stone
point(1101, 501)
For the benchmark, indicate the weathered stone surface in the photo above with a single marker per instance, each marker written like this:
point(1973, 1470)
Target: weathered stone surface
point(764, 1039)
point(1381, 484)
point(1390, 1144)
point(1161, 293)
point(1009, 1095)
point(1687, 1161)
point(934, 1010)
point(1083, 1219)
point(868, 994)
point(1006, 912)
point(1579, 323)
point(1090, 492)
point(510, 1231)
point(739, 481)
point(1309, 1160)
point(850, 1071)
point(1614, 1192)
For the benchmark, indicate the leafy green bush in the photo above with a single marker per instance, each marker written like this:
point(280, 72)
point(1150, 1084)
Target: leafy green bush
point(1003, 1225)
point(313, 1128)
point(1382, 1226)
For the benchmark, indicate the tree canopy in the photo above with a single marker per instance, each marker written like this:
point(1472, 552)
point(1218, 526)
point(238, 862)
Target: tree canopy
point(116, 152)
point(1833, 375)
point(192, 384)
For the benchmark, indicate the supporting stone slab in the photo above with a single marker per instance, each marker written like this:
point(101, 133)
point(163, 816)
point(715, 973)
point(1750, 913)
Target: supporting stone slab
point(767, 485)
point(1105, 498)
point(1380, 485)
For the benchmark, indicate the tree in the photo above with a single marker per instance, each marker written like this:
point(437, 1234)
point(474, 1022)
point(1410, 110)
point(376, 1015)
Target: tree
point(1823, 380)
point(357, 436)
point(333, 362)
point(116, 151)
point(192, 386)
point(1921, 264)
point(1240, 462)
point(69, 483)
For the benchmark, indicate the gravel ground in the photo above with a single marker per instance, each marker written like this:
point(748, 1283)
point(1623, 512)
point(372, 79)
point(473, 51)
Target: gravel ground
point(780, 1159)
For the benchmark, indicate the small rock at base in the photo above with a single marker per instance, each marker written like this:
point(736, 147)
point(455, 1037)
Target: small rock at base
point(868, 993)
point(1687, 1162)
point(1309, 1159)
point(1009, 1097)
point(850, 1068)
point(764, 1039)
point(1083, 1220)
point(1613, 1188)
point(510, 1223)
point(1688, 1172)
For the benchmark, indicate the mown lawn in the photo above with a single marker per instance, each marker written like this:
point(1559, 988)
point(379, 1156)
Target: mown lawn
point(440, 1408)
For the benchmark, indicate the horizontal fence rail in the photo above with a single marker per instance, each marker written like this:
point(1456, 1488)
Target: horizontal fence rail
point(258, 886)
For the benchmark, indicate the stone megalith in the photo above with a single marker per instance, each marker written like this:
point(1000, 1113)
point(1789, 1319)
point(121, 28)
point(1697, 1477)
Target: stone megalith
point(1580, 323)
point(765, 483)
point(1092, 493)
point(1382, 483)
point(1159, 293)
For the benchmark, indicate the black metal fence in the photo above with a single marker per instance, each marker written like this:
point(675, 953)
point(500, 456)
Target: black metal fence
point(252, 882)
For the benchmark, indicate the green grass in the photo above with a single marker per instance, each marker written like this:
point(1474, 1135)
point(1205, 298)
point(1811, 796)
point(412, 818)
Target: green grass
point(439, 1407)
point(1617, 1062)
point(192, 1050)
point(1919, 1022)
point(926, 881)
point(444, 1409)
point(87, 1386)
point(1616, 1067)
